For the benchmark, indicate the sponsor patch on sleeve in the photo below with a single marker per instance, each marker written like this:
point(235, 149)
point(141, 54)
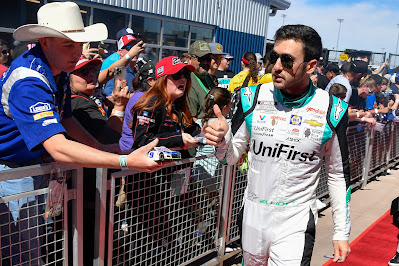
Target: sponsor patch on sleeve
point(39, 107)
point(49, 121)
point(43, 115)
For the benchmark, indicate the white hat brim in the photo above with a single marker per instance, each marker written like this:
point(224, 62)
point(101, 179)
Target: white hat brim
point(93, 33)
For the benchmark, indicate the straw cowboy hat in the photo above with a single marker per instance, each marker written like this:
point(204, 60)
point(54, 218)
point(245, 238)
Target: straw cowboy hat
point(63, 20)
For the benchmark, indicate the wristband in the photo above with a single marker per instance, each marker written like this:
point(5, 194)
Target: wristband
point(357, 114)
point(362, 119)
point(123, 161)
point(127, 56)
point(376, 111)
point(397, 101)
point(118, 113)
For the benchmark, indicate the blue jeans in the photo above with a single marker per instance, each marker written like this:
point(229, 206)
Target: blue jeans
point(21, 221)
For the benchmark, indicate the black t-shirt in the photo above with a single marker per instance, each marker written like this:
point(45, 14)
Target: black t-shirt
point(322, 81)
point(224, 78)
point(221, 74)
point(356, 101)
point(93, 118)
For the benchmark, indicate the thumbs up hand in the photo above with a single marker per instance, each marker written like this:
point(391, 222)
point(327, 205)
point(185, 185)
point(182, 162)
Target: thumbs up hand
point(216, 130)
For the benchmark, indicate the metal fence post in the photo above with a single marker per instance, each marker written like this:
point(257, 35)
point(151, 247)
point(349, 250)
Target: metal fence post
point(224, 219)
point(368, 153)
point(390, 144)
point(101, 201)
point(77, 217)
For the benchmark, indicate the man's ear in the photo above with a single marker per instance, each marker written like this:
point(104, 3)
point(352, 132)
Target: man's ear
point(44, 43)
point(312, 65)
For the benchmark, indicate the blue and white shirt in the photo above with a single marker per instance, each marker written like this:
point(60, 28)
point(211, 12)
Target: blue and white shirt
point(32, 106)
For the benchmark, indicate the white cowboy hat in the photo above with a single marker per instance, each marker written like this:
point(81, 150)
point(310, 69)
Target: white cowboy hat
point(63, 20)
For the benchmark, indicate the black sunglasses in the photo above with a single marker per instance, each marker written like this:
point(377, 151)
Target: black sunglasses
point(204, 59)
point(286, 60)
point(5, 51)
point(85, 71)
point(184, 72)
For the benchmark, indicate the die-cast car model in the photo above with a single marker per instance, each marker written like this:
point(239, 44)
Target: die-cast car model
point(163, 153)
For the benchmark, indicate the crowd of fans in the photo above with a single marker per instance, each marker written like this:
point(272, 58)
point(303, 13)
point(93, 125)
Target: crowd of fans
point(108, 110)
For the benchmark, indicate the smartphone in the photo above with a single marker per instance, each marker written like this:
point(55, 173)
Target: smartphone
point(120, 73)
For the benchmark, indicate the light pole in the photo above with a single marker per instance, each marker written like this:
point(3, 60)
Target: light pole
point(396, 51)
point(283, 16)
point(339, 30)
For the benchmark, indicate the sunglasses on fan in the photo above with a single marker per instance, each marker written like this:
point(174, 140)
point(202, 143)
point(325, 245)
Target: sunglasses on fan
point(184, 72)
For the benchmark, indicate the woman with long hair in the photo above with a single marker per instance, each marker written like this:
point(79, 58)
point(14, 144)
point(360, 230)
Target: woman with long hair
point(162, 112)
point(249, 74)
point(143, 81)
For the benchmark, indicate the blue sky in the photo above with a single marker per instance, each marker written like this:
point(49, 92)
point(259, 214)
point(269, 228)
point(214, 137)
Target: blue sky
point(368, 25)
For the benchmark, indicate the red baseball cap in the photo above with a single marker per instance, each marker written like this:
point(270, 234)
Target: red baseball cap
point(125, 40)
point(84, 61)
point(171, 65)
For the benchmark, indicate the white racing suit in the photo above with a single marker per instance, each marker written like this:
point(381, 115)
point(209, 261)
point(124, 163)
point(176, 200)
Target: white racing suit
point(288, 141)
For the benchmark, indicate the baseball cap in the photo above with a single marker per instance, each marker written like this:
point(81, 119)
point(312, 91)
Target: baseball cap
point(216, 48)
point(199, 48)
point(123, 32)
point(125, 40)
point(171, 65)
point(147, 70)
point(359, 66)
point(228, 57)
point(83, 61)
point(333, 68)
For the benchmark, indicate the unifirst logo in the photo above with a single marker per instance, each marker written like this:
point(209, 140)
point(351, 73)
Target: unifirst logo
point(281, 149)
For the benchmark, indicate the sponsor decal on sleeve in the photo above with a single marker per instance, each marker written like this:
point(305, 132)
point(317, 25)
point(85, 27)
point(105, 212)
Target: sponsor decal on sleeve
point(39, 107)
point(43, 115)
point(49, 121)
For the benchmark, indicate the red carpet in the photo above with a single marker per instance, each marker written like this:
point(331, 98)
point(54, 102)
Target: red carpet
point(375, 246)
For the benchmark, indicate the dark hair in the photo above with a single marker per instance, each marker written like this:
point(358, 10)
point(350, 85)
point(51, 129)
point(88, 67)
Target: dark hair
point(385, 81)
point(253, 66)
point(140, 84)
point(219, 96)
point(337, 89)
point(308, 36)
point(346, 67)
point(377, 78)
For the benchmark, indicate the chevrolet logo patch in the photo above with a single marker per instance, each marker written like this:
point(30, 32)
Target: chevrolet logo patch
point(313, 123)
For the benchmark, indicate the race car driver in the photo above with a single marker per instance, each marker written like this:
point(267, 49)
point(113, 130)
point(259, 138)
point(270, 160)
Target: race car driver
point(290, 126)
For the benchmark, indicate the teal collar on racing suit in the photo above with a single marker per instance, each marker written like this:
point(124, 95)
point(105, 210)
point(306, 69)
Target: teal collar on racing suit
point(287, 102)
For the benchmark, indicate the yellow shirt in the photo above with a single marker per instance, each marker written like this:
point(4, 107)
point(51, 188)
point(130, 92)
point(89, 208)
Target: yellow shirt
point(238, 80)
point(266, 78)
